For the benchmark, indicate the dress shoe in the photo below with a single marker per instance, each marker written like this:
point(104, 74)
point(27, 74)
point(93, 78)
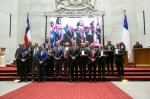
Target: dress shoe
point(26, 81)
point(39, 80)
point(71, 80)
point(76, 80)
point(90, 81)
point(20, 81)
point(43, 80)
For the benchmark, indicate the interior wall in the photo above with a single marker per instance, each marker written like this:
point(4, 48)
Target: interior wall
point(36, 8)
point(8, 7)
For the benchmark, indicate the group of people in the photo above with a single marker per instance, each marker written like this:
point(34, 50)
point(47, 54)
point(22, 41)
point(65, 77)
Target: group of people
point(69, 60)
point(68, 32)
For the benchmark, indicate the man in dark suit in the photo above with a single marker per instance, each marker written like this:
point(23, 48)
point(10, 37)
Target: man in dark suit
point(83, 60)
point(17, 60)
point(110, 56)
point(46, 42)
point(23, 57)
point(74, 55)
point(101, 61)
point(119, 52)
point(58, 54)
point(41, 59)
point(93, 56)
point(34, 62)
point(30, 48)
point(87, 46)
point(138, 45)
point(66, 59)
point(58, 20)
point(80, 33)
point(50, 62)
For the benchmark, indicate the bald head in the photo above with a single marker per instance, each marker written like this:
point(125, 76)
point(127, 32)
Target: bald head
point(92, 45)
point(118, 45)
point(57, 43)
point(66, 44)
point(82, 44)
point(101, 46)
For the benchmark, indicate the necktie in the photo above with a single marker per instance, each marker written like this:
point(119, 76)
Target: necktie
point(81, 34)
point(92, 54)
point(56, 48)
point(73, 48)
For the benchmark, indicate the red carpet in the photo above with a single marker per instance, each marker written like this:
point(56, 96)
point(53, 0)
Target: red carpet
point(65, 90)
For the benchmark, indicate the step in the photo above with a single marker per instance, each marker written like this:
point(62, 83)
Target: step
point(136, 73)
point(137, 78)
point(10, 78)
point(10, 65)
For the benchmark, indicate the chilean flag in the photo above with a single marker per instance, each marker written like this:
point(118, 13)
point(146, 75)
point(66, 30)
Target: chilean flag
point(125, 37)
point(27, 36)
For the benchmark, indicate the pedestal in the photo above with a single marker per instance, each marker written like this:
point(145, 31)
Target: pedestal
point(2, 58)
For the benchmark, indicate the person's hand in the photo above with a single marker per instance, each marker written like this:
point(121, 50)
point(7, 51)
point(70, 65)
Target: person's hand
point(41, 62)
point(23, 60)
point(93, 60)
point(73, 58)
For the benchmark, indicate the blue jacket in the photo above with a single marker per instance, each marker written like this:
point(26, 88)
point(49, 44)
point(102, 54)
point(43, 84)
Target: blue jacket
point(43, 57)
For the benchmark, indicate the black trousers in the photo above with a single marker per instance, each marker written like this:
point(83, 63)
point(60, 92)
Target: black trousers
point(41, 71)
point(110, 63)
point(67, 69)
point(74, 70)
point(82, 67)
point(92, 70)
point(49, 67)
point(18, 67)
point(101, 66)
point(24, 70)
point(58, 68)
point(120, 69)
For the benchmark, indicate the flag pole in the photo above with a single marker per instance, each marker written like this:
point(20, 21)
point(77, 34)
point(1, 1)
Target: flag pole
point(27, 14)
point(10, 26)
point(124, 11)
point(45, 26)
point(103, 28)
point(144, 22)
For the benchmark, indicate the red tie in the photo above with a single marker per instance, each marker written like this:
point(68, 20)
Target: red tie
point(92, 54)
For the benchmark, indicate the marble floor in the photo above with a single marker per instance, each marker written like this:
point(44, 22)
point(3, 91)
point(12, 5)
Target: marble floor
point(136, 89)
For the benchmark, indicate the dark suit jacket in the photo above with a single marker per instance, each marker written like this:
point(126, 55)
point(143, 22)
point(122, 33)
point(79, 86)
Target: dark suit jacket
point(104, 52)
point(111, 51)
point(119, 56)
point(96, 55)
point(43, 57)
point(51, 53)
point(83, 58)
point(17, 53)
point(138, 46)
point(67, 53)
point(46, 43)
point(57, 53)
point(74, 53)
point(26, 56)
